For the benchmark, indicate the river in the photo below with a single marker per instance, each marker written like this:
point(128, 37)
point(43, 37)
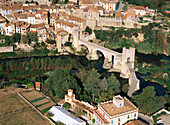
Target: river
point(82, 62)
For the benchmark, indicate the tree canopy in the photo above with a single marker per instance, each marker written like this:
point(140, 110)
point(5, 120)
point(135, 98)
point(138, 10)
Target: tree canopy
point(147, 101)
point(60, 81)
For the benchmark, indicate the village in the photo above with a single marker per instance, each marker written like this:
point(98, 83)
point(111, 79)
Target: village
point(69, 27)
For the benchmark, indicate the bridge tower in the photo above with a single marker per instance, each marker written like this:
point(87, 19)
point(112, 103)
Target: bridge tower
point(127, 71)
point(76, 37)
point(128, 56)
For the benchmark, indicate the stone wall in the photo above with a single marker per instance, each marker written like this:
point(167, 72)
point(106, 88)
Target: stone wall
point(6, 49)
point(106, 21)
point(41, 2)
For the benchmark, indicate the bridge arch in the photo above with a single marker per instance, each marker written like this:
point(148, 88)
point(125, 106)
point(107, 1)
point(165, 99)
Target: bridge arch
point(83, 49)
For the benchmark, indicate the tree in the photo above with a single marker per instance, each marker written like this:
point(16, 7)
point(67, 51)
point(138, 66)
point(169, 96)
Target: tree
point(24, 39)
point(82, 75)
point(93, 120)
point(92, 84)
point(135, 34)
point(125, 88)
point(144, 47)
point(55, 1)
point(30, 85)
point(66, 1)
point(89, 30)
point(147, 101)
point(113, 83)
point(17, 37)
point(66, 106)
point(103, 84)
point(60, 81)
point(32, 36)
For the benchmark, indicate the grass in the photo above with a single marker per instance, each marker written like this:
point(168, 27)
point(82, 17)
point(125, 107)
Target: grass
point(38, 99)
point(46, 110)
point(14, 111)
point(42, 104)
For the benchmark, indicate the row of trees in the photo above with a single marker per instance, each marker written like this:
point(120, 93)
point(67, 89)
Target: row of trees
point(16, 37)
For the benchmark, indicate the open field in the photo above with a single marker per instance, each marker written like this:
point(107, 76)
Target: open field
point(14, 111)
point(43, 107)
point(40, 102)
point(31, 95)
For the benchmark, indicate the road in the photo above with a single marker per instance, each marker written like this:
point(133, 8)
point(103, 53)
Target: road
point(145, 118)
point(120, 7)
point(134, 81)
point(98, 47)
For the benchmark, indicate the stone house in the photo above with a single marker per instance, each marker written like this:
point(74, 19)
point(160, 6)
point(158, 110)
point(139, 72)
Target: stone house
point(53, 18)
point(6, 10)
point(91, 14)
point(2, 24)
point(139, 10)
point(100, 9)
point(67, 26)
point(79, 106)
point(118, 16)
point(9, 29)
point(109, 5)
point(75, 20)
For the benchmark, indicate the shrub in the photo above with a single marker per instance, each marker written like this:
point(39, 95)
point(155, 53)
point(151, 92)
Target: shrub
point(93, 120)
point(66, 106)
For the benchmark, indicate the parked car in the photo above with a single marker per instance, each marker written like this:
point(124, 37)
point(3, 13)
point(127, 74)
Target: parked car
point(159, 121)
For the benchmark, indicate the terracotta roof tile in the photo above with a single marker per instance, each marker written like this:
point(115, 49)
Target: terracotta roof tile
point(83, 106)
point(101, 117)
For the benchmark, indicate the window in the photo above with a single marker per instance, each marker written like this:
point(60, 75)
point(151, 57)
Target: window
point(135, 115)
point(128, 117)
point(120, 104)
point(118, 119)
point(111, 121)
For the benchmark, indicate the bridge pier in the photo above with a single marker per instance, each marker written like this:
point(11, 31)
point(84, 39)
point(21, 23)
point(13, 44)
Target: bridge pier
point(92, 54)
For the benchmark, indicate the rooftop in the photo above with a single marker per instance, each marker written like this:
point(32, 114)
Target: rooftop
point(112, 109)
point(81, 104)
point(61, 115)
point(65, 23)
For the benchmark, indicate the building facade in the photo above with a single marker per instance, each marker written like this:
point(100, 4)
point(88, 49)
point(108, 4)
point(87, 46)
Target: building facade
point(115, 112)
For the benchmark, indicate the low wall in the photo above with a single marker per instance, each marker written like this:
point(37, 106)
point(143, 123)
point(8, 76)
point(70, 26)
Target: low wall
point(6, 49)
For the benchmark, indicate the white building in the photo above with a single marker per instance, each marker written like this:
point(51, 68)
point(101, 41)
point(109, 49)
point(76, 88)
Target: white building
point(140, 10)
point(115, 112)
point(65, 117)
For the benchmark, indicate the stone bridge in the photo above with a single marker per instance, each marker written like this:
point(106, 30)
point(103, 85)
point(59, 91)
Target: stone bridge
point(114, 61)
